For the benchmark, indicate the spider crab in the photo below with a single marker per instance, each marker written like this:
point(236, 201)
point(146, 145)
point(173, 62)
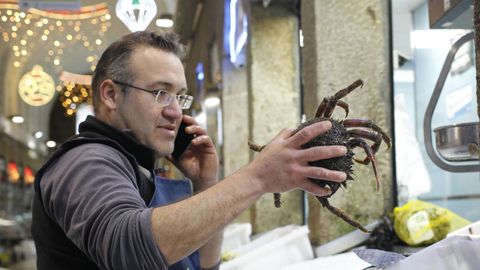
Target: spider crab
point(351, 133)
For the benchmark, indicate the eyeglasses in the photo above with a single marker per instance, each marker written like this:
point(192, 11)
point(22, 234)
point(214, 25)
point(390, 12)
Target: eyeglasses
point(164, 98)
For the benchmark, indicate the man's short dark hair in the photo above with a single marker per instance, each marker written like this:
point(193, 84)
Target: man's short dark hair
point(113, 63)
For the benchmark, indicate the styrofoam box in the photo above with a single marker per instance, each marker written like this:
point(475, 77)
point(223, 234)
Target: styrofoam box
point(272, 250)
point(344, 261)
point(236, 235)
point(472, 230)
point(345, 242)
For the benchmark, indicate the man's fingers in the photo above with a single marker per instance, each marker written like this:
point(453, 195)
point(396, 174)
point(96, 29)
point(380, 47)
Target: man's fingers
point(323, 152)
point(196, 129)
point(285, 133)
point(324, 174)
point(202, 140)
point(320, 174)
point(308, 133)
point(315, 189)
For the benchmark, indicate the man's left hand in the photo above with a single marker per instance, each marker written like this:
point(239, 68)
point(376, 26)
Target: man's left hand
point(199, 162)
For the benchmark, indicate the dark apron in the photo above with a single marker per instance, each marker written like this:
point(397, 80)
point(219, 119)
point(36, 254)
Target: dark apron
point(168, 191)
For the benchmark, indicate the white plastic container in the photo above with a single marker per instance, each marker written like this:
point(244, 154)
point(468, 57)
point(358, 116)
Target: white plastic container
point(236, 235)
point(273, 250)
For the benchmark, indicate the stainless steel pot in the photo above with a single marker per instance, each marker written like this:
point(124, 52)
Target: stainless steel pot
point(453, 141)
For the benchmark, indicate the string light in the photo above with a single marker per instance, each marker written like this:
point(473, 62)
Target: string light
point(72, 95)
point(22, 30)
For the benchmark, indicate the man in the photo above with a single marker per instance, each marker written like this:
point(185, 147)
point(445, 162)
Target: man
point(97, 203)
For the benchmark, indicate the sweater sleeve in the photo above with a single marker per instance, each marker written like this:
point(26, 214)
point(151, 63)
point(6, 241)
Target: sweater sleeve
point(92, 194)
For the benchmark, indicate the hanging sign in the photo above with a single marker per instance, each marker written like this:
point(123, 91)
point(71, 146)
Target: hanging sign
point(50, 4)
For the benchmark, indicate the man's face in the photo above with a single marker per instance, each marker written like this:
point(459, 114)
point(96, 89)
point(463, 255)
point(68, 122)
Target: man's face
point(154, 125)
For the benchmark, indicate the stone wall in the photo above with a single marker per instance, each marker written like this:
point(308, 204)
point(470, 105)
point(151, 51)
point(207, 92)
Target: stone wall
point(350, 40)
point(235, 122)
point(274, 93)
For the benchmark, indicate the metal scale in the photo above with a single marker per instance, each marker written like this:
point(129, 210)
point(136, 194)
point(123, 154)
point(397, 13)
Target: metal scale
point(457, 143)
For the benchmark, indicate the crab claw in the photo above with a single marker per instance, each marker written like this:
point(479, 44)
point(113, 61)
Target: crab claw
point(375, 171)
point(357, 142)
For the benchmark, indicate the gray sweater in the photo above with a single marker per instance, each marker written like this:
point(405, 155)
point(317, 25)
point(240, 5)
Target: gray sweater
point(91, 191)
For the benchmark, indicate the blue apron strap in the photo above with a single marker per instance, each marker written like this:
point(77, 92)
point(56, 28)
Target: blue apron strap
point(168, 191)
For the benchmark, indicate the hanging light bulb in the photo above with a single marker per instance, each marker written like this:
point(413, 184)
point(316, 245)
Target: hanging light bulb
point(145, 9)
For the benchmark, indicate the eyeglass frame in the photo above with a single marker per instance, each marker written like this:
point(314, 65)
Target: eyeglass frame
point(188, 99)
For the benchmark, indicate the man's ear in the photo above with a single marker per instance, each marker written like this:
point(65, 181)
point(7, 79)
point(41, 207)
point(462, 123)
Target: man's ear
point(108, 94)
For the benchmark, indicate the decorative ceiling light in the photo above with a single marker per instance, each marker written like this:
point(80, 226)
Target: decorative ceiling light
point(164, 21)
point(36, 87)
point(145, 9)
point(74, 94)
point(74, 90)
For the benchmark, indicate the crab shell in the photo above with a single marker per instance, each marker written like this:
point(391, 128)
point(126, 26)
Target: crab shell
point(337, 135)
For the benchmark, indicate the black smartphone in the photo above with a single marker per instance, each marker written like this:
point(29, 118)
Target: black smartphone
point(182, 141)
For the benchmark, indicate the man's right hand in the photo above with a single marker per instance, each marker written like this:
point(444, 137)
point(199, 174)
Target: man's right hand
point(283, 165)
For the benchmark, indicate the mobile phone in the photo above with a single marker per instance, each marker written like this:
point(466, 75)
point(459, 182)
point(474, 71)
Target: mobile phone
point(182, 141)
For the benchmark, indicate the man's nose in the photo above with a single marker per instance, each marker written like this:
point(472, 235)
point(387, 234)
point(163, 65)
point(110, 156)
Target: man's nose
point(173, 110)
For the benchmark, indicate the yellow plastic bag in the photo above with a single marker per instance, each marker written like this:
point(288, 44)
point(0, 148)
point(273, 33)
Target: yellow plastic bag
point(420, 223)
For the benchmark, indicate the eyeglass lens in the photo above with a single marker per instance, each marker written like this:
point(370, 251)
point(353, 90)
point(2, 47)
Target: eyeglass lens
point(165, 98)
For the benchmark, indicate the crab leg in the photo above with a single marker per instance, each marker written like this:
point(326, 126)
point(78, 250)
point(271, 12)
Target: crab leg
point(344, 106)
point(255, 147)
point(321, 109)
point(339, 213)
point(277, 200)
point(373, 136)
point(258, 148)
point(325, 108)
point(367, 124)
point(357, 142)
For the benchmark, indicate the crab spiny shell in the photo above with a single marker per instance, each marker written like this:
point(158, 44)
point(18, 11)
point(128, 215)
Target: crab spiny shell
point(337, 135)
